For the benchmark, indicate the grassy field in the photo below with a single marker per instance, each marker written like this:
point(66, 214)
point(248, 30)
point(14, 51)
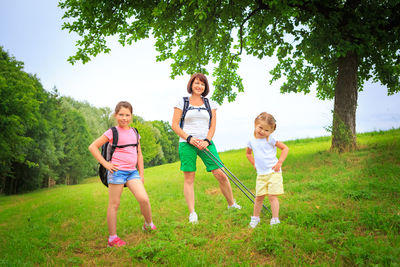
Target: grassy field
point(337, 210)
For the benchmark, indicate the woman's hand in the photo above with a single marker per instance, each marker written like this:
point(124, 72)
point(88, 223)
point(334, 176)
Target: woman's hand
point(200, 144)
point(111, 167)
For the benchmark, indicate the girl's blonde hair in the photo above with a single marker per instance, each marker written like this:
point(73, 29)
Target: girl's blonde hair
point(267, 118)
point(123, 104)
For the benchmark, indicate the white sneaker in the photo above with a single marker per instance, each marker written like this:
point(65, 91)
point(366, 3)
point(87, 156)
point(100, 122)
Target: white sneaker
point(254, 221)
point(193, 217)
point(274, 221)
point(235, 206)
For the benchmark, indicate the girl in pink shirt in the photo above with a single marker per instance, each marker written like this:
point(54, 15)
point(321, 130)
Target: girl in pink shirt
point(122, 170)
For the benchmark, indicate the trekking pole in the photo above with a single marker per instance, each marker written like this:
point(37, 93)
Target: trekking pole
point(208, 152)
point(223, 165)
point(230, 178)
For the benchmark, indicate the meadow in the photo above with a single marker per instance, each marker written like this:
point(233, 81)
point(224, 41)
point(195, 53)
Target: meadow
point(337, 210)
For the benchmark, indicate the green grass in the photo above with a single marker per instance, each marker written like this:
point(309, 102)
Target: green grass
point(337, 210)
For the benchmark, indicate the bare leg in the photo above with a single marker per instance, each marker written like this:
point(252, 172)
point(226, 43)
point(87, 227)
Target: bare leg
point(224, 185)
point(188, 189)
point(137, 188)
point(274, 201)
point(114, 196)
point(258, 204)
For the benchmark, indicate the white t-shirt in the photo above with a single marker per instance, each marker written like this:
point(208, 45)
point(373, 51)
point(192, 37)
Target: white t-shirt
point(196, 120)
point(264, 154)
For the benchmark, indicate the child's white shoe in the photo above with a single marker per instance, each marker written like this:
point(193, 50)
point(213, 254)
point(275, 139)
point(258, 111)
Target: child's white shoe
point(254, 221)
point(274, 221)
point(193, 217)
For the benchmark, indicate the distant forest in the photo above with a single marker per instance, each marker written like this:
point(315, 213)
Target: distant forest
point(45, 137)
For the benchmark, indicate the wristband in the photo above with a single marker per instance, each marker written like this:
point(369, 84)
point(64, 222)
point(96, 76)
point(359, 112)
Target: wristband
point(188, 139)
point(208, 141)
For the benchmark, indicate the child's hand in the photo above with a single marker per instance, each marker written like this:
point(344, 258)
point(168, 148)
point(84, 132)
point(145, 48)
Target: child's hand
point(111, 167)
point(277, 166)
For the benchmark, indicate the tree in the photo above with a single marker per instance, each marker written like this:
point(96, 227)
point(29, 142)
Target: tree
point(98, 120)
point(151, 150)
point(333, 45)
point(31, 141)
point(77, 162)
point(17, 112)
point(168, 140)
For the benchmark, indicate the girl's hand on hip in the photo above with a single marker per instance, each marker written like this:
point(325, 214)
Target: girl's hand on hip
point(277, 166)
point(111, 167)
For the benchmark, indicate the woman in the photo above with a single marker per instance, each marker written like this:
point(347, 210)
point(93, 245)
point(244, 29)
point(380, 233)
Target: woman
point(196, 131)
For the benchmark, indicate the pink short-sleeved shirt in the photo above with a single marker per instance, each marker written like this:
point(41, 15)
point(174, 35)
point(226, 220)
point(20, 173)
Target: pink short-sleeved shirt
point(126, 157)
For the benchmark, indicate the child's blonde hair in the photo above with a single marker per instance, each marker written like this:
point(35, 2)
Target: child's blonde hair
point(267, 118)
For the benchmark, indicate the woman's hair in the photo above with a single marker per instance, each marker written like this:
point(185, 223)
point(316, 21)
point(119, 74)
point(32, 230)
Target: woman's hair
point(267, 118)
point(202, 78)
point(123, 104)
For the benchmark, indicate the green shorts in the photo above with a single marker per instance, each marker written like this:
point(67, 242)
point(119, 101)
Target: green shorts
point(188, 156)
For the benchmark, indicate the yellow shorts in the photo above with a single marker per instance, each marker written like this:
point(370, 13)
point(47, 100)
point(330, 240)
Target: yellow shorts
point(269, 184)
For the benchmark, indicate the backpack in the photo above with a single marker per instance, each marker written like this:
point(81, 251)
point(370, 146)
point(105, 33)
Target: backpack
point(107, 150)
point(186, 108)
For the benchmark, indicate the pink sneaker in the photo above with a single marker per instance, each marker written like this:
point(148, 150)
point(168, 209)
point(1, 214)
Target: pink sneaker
point(149, 227)
point(117, 242)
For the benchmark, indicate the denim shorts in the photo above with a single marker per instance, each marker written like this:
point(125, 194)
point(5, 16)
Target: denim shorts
point(122, 176)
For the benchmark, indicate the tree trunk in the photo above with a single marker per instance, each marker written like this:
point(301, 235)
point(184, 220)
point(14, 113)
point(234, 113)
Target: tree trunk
point(344, 113)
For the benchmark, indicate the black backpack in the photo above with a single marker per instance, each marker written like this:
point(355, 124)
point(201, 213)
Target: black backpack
point(107, 150)
point(186, 108)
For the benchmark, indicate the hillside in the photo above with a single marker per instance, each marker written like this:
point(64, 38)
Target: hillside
point(337, 210)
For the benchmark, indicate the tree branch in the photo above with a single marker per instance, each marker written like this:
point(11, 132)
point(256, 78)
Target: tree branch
point(261, 6)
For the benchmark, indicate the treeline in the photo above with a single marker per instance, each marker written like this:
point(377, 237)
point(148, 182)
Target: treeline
point(45, 136)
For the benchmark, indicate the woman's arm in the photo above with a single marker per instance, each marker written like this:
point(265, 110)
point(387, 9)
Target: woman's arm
point(140, 163)
point(94, 149)
point(175, 123)
point(213, 125)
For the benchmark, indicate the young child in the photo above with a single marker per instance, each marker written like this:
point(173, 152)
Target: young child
point(122, 170)
point(269, 173)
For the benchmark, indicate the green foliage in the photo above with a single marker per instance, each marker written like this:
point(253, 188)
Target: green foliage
point(315, 42)
point(77, 139)
point(43, 135)
point(31, 139)
point(168, 140)
point(150, 149)
point(337, 210)
point(159, 143)
point(98, 120)
point(307, 37)
point(18, 108)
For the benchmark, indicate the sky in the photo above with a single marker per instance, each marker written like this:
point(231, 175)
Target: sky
point(31, 32)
